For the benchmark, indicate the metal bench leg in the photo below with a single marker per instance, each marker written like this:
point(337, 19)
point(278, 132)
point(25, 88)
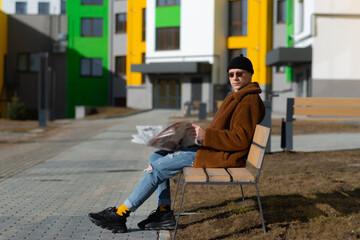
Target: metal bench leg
point(242, 193)
point(178, 216)
point(177, 188)
point(260, 208)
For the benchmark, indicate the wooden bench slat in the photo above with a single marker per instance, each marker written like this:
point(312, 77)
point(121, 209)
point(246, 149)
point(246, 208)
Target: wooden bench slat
point(218, 175)
point(194, 174)
point(313, 101)
point(241, 175)
point(255, 155)
point(327, 111)
point(261, 135)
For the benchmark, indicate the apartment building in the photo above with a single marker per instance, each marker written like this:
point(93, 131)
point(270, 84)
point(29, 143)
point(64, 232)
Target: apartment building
point(188, 46)
point(88, 62)
point(138, 53)
point(322, 48)
point(87, 82)
point(33, 31)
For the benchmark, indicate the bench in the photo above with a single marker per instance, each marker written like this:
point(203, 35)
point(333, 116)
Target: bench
point(335, 109)
point(229, 176)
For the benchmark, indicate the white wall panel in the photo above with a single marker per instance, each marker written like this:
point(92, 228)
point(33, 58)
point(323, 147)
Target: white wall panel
point(336, 49)
point(196, 33)
point(32, 6)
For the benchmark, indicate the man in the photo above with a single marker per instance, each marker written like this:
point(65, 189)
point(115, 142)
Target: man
point(225, 143)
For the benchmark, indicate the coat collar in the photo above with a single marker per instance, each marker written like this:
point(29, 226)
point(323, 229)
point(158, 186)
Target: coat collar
point(251, 88)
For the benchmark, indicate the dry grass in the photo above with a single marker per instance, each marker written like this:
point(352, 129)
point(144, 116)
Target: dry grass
point(304, 196)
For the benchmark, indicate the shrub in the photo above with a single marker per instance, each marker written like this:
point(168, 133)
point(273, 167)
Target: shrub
point(15, 110)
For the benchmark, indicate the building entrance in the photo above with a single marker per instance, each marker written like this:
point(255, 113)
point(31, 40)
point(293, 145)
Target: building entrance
point(167, 93)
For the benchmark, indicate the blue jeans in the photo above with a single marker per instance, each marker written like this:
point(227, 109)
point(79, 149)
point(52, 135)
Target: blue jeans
point(164, 165)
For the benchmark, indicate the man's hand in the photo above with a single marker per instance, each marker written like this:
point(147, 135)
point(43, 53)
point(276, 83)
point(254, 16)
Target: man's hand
point(196, 131)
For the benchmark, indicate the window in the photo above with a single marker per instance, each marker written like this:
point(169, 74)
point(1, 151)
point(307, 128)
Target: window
point(161, 3)
point(34, 62)
point(143, 57)
point(43, 8)
point(120, 25)
point(20, 7)
point(167, 38)
point(91, 27)
point(238, 18)
point(28, 62)
point(281, 11)
point(300, 18)
point(63, 7)
point(236, 52)
point(143, 24)
point(143, 75)
point(23, 62)
point(91, 67)
point(120, 66)
point(91, 2)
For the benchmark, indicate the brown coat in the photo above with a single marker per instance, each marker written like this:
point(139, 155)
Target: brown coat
point(228, 138)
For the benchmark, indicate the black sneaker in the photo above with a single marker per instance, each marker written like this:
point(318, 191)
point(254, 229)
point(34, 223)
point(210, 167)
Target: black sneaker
point(109, 219)
point(158, 220)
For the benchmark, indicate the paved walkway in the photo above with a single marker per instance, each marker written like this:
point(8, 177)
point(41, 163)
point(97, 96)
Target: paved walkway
point(52, 199)
point(91, 167)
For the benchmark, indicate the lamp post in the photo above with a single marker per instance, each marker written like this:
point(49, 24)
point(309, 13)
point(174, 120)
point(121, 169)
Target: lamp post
point(43, 90)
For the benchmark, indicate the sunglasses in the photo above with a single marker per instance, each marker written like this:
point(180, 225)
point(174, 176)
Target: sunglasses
point(238, 74)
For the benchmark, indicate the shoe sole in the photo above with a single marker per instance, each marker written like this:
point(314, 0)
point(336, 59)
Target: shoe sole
point(161, 226)
point(113, 229)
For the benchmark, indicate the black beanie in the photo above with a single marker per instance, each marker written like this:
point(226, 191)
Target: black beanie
point(241, 62)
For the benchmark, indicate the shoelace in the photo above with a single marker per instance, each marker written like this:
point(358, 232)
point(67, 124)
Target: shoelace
point(109, 209)
point(153, 213)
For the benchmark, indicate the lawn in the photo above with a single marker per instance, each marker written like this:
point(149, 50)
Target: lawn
point(304, 196)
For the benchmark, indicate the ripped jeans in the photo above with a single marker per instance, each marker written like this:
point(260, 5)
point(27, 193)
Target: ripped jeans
point(164, 165)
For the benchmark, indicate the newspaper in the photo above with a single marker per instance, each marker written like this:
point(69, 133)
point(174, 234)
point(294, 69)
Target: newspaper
point(172, 138)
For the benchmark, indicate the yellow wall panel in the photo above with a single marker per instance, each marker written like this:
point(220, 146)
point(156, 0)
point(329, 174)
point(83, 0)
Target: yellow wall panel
point(3, 51)
point(135, 46)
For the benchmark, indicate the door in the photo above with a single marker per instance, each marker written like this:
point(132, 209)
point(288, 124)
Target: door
point(167, 93)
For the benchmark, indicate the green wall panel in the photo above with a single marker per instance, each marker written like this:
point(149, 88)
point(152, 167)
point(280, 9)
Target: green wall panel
point(167, 16)
point(88, 91)
point(289, 32)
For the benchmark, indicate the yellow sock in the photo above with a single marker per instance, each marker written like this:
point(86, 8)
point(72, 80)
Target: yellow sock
point(123, 211)
point(164, 208)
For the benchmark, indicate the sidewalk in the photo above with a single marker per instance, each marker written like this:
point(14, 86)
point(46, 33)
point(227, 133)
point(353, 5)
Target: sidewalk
point(318, 142)
point(52, 199)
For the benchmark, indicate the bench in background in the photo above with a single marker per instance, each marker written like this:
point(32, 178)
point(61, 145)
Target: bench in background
point(335, 109)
